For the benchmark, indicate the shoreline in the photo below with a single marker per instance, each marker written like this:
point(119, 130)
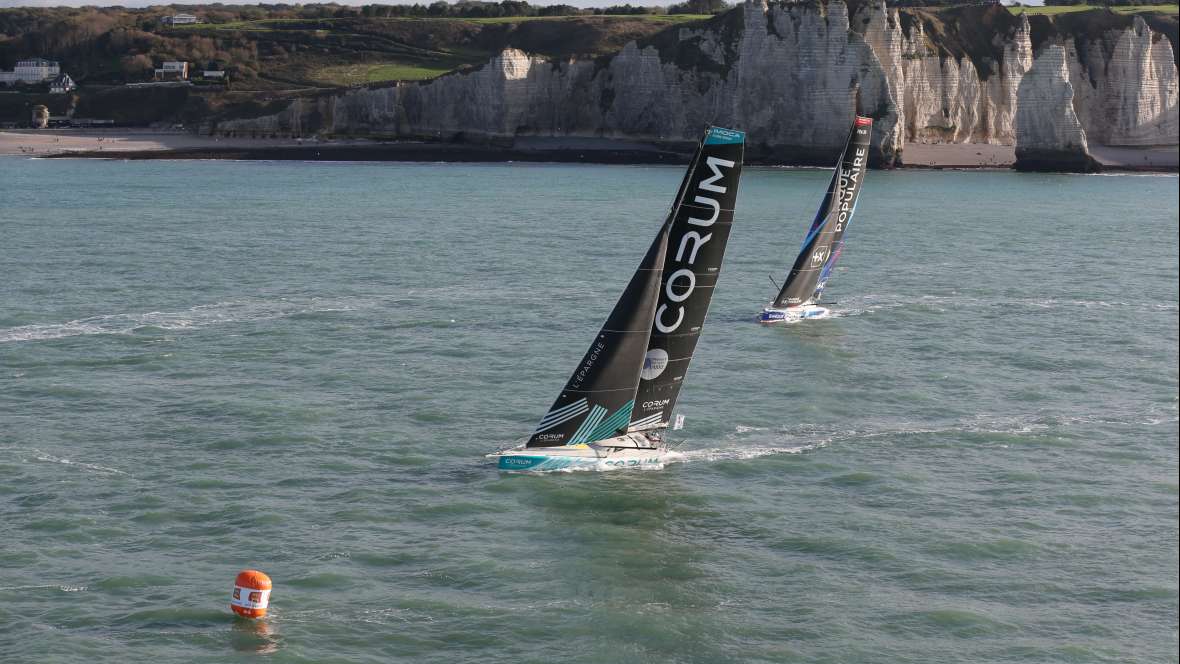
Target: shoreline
point(403, 152)
point(147, 144)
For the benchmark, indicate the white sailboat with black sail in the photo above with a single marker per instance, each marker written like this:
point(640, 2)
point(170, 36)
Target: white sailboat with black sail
point(614, 409)
point(798, 299)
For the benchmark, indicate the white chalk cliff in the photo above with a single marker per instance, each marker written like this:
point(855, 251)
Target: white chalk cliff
point(791, 76)
point(1047, 128)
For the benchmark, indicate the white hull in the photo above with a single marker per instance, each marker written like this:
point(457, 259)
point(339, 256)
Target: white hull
point(635, 451)
point(808, 311)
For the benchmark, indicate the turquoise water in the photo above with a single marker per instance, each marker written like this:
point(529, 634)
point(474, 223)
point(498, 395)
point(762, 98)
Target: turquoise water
point(206, 366)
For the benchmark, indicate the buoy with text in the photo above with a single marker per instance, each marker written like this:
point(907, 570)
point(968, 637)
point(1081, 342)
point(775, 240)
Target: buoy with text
point(251, 594)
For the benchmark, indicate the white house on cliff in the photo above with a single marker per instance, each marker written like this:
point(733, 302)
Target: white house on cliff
point(33, 70)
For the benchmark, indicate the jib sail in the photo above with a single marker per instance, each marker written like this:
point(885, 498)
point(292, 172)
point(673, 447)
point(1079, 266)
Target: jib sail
point(598, 397)
point(825, 238)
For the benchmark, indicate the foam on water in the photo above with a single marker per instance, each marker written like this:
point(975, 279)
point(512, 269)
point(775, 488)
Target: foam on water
point(49, 458)
point(867, 304)
point(45, 586)
point(740, 453)
point(200, 316)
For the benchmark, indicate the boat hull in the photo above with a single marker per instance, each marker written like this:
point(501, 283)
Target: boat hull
point(772, 315)
point(620, 453)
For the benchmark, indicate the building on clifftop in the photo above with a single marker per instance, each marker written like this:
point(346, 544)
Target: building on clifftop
point(180, 19)
point(172, 71)
point(33, 70)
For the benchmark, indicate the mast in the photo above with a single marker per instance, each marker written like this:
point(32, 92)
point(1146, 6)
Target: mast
point(825, 239)
point(697, 236)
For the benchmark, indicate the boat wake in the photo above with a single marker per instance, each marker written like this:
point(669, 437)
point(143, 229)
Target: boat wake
point(807, 438)
point(788, 442)
point(855, 306)
point(739, 453)
point(221, 313)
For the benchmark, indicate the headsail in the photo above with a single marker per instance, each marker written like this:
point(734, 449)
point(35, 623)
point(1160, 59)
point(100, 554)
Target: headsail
point(697, 236)
point(598, 397)
point(825, 239)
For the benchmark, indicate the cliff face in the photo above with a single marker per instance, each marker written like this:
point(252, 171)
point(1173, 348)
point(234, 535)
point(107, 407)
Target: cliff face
point(1049, 135)
point(942, 98)
point(792, 76)
point(1127, 87)
point(1124, 81)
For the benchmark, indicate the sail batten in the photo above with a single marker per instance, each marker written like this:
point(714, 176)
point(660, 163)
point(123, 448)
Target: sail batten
point(825, 238)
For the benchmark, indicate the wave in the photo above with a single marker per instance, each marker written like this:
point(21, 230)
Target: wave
point(49, 458)
point(854, 306)
point(220, 313)
point(44, 586)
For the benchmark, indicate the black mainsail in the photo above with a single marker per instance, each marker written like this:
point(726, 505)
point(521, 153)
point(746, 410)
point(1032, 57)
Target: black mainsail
point(697, 236)
point(600, 396)
point(825, 239)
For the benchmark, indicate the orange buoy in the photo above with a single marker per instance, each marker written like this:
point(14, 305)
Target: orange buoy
point(251, 594)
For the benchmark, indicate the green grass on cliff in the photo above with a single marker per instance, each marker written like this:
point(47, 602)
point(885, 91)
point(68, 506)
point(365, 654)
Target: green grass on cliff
point(269, 24)
point(359, 74)
point(1163, 9)
point(349, 51)
point(658, 18)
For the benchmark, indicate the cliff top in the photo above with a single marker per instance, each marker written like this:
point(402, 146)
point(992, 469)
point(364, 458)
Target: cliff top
point(281, 47)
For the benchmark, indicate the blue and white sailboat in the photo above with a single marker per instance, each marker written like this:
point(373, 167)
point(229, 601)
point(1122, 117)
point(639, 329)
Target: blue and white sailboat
point(614, 409)
point(799, 296)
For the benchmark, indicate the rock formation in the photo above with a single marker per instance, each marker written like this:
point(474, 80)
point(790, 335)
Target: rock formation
point(1127, 87)
point(1049, 135)
point(792, 75)
point(942, 98)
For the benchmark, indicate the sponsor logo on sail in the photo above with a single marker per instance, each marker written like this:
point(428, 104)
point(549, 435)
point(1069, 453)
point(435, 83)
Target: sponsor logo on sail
point(849, 181)
point(584, 371)
point(654, 363)
point(681, 282)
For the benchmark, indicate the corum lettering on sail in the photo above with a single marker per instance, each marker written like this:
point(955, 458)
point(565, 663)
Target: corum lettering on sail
point(697, 239)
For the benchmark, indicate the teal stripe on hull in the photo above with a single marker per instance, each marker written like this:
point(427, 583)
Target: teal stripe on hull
point(545, 463)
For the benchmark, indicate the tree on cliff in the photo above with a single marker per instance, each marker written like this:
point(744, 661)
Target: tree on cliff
point(699, 7)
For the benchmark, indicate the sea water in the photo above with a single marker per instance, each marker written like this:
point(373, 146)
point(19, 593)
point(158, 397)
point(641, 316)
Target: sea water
point(297, 367)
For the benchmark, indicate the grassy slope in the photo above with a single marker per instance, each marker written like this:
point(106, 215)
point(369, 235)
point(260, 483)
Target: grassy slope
point(351, 51)
point(1050, 11)
point(362, 73)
